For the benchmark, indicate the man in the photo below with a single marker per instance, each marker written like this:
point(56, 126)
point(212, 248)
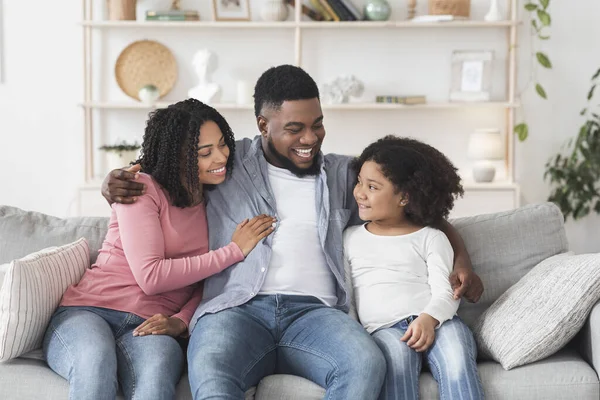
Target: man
point(283, 309)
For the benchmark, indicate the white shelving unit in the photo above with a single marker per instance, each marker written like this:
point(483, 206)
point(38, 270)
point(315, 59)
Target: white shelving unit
point(509, 189)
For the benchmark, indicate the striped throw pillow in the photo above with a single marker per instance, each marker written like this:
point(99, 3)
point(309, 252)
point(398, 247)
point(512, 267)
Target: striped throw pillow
point(31, 290)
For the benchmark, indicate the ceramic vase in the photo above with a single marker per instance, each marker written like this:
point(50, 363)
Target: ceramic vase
point(377, 10)
point(149, 94)
point(116, 160)
point(274, 10)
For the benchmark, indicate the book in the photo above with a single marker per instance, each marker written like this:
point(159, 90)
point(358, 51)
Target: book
point(171, 18)
point(340, 9)
point(330, 10)
point(408, 100)
point(321, 10)
point(309, 12)
point(172, 15)
point(353, 10)
point(437, 18)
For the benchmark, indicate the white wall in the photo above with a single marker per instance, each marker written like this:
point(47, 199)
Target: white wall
point(41, 125)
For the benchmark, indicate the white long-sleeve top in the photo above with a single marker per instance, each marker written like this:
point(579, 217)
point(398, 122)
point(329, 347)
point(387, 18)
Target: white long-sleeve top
point(394, 277)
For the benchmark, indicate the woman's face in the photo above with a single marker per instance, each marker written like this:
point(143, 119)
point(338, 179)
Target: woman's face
point(212, 154)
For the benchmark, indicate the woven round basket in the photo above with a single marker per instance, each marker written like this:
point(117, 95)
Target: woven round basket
point(145, 62)
point(458, 8)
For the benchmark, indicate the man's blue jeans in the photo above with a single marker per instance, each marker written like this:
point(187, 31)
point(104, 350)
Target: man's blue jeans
point(94, 348)
point(232, 350)
point(451, 360)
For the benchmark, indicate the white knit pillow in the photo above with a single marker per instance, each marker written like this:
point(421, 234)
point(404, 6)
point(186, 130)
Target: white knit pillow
point(542, 312)
point(31, 290)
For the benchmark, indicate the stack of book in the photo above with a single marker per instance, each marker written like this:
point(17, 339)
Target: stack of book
point(330, 10)
point(172, 15)
point(337, 10)
point(408, 100)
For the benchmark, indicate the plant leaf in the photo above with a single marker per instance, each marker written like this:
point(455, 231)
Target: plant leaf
point(544, 17)
point(591, 92)
point(522, 131)
point(543, 60)
point(543, 37)
point(540, 90)
point(545, 3)
point(531, 7)
point(534, 24)
point(597, 74)
point(582, 112)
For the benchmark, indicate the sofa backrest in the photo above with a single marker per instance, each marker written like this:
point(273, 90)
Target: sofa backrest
point(24, 232)
point(505, 246)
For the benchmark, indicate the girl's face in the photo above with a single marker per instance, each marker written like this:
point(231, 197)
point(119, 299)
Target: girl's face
point(376, 196)
point(212, 154)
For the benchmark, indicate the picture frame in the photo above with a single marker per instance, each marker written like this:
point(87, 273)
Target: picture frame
point(471, 75)
point(231, 10)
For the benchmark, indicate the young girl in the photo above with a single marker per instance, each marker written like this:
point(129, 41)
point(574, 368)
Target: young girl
point(400, 264)
point(119, 324)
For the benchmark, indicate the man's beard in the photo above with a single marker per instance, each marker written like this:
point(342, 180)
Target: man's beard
point(288, 164)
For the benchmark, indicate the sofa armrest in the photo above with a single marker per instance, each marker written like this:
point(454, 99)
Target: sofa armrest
point(589, 338)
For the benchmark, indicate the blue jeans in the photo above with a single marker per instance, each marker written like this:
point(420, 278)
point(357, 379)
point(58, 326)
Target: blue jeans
point(451, 360)
point(232, 350)
point(94, 348)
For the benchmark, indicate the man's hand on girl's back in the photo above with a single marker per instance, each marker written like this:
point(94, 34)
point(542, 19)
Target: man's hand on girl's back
point(120, 186)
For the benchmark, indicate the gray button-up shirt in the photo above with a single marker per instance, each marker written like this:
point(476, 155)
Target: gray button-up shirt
point(247, 193)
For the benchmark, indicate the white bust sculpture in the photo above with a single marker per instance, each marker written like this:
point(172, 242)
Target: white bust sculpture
point(203, 63)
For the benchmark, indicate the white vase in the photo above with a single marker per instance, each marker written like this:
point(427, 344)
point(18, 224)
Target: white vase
point(116, 160)
point(274, 10)
point(149, 94)
point(494, 12)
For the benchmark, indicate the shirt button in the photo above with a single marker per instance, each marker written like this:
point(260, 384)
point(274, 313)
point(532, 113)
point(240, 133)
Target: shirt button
point(251, 293)
point(262, 269)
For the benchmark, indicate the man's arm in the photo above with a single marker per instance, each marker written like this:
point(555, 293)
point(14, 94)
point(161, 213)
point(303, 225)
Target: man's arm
point(120, 186)
point(465, 282)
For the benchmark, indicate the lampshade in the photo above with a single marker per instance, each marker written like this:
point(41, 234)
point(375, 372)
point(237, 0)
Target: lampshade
point(486, 144)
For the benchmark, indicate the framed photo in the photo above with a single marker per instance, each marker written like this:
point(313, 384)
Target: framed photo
point(231, 10)
point(471, 75)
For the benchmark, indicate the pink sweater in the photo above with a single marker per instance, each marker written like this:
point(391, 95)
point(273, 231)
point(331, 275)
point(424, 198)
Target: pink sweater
point(152, 258)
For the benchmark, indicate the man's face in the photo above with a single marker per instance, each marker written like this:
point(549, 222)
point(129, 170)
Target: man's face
point(292, 135)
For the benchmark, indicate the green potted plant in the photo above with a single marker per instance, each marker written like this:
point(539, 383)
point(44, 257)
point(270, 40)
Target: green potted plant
point(575, 174)
point(120, 154)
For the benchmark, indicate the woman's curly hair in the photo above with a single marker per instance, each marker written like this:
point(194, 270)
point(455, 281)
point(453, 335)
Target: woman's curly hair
point(421, 172)
point(170, 148)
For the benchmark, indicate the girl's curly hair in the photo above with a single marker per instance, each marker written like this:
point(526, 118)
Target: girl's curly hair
point(419, 171)
point(170, 147)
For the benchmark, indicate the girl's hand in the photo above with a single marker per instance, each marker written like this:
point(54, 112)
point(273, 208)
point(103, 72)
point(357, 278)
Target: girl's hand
point(160, 324)
point(421, 333)
point(249, 232)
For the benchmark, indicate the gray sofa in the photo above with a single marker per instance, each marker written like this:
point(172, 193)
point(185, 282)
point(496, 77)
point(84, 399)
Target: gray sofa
point(503, 248)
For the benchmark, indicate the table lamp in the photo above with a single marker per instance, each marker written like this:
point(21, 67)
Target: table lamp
point(485, 146)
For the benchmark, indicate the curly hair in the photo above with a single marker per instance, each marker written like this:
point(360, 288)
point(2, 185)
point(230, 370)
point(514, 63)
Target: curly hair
point(419, 171)
point(170, 148)
point(283, 83)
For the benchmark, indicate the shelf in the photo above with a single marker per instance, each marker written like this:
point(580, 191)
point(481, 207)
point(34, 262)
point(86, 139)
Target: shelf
point(341, 107)
point(293, 24)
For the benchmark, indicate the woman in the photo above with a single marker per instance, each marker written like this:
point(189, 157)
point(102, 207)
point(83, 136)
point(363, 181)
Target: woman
point(119, 324)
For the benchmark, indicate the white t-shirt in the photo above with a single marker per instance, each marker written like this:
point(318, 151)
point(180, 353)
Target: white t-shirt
point(394, 277)
point(298, 264)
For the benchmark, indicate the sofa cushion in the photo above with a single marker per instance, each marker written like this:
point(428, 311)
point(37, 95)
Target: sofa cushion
point(30, 292)
point(543, 311)
point(564, 375)
point(23, 232)
point(506, 245)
